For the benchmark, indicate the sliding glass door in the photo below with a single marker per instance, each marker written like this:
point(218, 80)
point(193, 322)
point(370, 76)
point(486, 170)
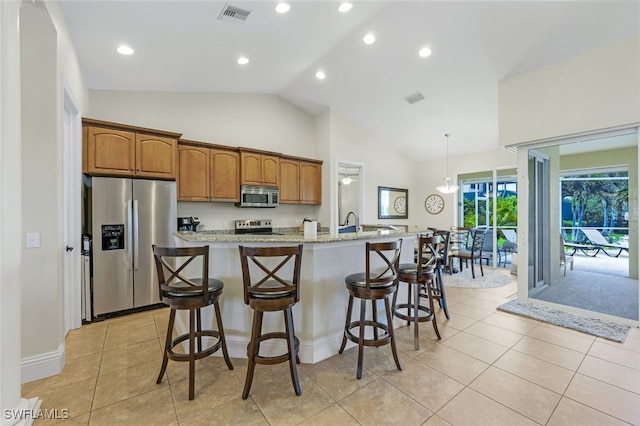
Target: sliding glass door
point(489, 201)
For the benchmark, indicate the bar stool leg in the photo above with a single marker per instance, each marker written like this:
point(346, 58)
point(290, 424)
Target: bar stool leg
point(192, 353)
point(416, 317)
point(225, 353)
point(167, 344)
point(346, 324)
point(363, 307)
point(443, 296)
point(434, 321)
point(288, 322)
point(374, 315)
point(199, 329)
point(391, 334)
point(252, 352)
point(408, 302)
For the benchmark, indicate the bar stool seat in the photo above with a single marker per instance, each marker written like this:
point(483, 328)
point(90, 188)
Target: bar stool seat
point(183, 293)
point(265, 290)
point(373, 286)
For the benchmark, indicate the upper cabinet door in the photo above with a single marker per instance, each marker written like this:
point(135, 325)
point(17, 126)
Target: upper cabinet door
point(251, 168)
point(225, 175)
point(110, 151)
point(155, 156)
point(193, 173)
point(289, 181)
point(310, 183)
point(270, 170)
point(258, 169)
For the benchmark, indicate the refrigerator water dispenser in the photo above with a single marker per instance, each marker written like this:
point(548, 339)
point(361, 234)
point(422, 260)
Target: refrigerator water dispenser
point(112, 237)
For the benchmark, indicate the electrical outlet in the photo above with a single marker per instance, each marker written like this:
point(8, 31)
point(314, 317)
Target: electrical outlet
point(33, 240)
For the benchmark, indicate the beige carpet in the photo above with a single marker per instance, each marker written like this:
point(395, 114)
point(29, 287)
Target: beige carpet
point(492, 278)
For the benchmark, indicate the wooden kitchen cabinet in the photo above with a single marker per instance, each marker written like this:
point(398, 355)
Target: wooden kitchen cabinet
point(300, 181)
point(207, 174)
point(258, 168)
point(110, 151)
point(193, 173)
point(310, 182)
point(113, 149)
point(224, 172)
point(155, 156)
point(289, 181)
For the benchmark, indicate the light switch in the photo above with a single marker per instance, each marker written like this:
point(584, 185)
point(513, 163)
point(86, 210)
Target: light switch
point(33, 240)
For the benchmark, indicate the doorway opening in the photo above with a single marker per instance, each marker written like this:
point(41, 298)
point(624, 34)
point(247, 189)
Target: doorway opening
point(489, 201)
point(584, 255)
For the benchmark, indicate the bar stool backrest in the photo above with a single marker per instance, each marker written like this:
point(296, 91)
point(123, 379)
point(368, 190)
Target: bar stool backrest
point(262, 281)
point(428, 247)
point(389, 252)
point(443, 249)
point(170, 265)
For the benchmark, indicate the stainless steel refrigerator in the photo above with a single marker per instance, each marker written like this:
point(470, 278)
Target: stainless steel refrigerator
point(127, 217)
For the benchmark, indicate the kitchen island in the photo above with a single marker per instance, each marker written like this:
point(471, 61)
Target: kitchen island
point(319, 316)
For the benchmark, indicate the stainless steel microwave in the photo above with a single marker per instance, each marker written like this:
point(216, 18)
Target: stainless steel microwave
point(258, 196)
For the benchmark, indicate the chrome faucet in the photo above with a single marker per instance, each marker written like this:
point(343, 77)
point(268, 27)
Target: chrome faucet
point(355, 215)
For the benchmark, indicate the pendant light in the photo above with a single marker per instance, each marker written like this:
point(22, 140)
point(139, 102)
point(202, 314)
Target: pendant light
point(447, 187)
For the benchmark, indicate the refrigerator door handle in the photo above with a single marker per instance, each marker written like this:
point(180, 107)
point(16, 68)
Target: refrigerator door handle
point(136, 238)
point(129, 235)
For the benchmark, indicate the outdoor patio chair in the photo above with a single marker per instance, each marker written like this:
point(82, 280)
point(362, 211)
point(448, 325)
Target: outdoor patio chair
point(565, 258)
point(600, 242)
point(508, 247)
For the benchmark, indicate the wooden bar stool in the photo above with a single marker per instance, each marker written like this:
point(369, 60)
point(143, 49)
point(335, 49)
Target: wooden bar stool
point(193, 294)
point(438, 291)
point(373, 286)
point(265, 290)
point(421, 277)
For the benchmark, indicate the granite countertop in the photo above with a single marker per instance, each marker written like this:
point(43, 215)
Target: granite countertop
point(298, 237)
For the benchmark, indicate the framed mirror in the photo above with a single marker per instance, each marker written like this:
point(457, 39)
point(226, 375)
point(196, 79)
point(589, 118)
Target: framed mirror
point(393, 203)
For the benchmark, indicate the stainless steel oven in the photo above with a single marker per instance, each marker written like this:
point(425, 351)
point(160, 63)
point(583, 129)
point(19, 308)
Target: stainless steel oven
point(258, 196)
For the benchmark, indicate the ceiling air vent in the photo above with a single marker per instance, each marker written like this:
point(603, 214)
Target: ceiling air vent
point(416, 97)
point(233, 14)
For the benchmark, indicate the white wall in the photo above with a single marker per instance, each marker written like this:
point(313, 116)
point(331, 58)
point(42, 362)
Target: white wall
point(597, 90)
point(48, 58)
point(265, 122)
point(40, 274)
point(383, 166)
point(11, 207)
point(433, 173)
point(257, 121)
point(593, 92)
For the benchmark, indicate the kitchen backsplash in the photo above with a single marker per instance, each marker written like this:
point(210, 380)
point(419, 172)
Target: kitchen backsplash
point(216, 216)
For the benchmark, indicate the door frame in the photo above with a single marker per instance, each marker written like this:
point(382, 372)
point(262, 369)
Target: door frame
point(71, 170)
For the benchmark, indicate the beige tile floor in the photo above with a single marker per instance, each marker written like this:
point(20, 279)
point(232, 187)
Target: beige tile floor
point(490, 368)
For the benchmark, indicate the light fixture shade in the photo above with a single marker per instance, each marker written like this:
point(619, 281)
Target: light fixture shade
point(346, 180)
point(447, 187)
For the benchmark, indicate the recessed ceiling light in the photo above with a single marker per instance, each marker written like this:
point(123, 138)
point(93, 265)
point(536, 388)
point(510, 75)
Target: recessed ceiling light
point(369, 38)
point(243, 61)
point(424, 52)
point(345, 7)
point(124, 50)
point(320, 75)
point(283, 7)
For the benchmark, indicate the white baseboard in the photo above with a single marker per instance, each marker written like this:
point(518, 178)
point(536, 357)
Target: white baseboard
point(43, 365)
point(24, 414)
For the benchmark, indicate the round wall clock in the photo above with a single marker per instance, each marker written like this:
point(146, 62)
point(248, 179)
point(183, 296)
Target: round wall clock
point(400, 205)
point(434, 204)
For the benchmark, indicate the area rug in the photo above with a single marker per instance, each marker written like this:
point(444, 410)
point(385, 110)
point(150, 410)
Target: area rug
point(596, 327)
point(492, 278)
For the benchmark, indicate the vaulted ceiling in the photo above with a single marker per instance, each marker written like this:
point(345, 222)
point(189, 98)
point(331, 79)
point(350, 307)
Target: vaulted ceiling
point(184, 46)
